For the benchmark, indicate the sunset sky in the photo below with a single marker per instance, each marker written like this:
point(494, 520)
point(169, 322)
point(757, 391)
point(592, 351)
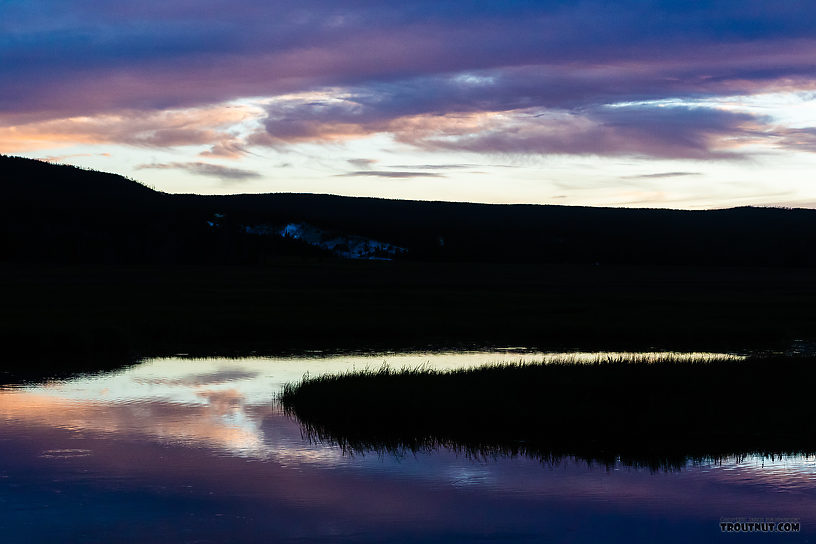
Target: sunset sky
point(702, 104)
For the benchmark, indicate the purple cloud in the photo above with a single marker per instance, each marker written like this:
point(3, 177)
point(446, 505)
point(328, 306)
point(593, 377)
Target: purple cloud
point(224, 173)
point(671, 132)
point(645, 130)
point(434, 166)
point(799, 139)
point(661, 175)
point(154, 55)
point(362, 163)
point(437, 75)
point(391, 174)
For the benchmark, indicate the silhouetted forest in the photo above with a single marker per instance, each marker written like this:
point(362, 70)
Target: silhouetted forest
point(64, 214)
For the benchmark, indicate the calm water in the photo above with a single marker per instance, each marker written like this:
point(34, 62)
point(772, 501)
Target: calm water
point(180, 450)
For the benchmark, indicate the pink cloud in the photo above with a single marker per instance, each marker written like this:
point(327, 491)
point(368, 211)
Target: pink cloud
point(191, 127)
point(436, 77)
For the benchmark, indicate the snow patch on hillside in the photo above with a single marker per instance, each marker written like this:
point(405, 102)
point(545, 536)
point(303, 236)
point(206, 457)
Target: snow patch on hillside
point(342, 245)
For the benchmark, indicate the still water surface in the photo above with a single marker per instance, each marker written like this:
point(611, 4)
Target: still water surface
point(184, 450)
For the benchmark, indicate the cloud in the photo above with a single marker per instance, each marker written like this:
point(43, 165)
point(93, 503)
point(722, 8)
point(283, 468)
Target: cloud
point(677, 133)
point(645, 131)
point(640, 129)
point(362, 163)
point(434, 115)
point(60, 158)
point(432, 74)
point(226, 147)
point(660, 175)
point(798, 139)
point(391, 174)
point(88, 58)
point(223, 173)
point(434, 166)
point(208, 126)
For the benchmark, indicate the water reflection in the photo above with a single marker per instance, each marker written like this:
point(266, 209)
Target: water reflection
point(224, 403)
point(198, 450)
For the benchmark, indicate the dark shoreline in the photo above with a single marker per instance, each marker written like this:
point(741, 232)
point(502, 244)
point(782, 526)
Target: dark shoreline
point(659, 415)
point(60, 317)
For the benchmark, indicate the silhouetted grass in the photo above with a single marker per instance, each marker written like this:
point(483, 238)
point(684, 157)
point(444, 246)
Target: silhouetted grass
point(657, 414)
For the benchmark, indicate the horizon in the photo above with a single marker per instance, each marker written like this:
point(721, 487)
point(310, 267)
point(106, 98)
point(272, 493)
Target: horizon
point(152, 188)
point(636, 105)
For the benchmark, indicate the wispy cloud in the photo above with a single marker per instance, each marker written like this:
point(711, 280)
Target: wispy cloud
point(206, 126)
point(799, 139)
point(60, 158)
point(642, 129)
point(362, 163)
point(659, 175)
point(223, 173)
point(433, 166)
point(391, 174)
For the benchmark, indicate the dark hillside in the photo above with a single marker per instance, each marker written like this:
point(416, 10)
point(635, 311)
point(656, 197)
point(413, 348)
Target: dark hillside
point(551, 234)
point(30, 182)
point(65, 214)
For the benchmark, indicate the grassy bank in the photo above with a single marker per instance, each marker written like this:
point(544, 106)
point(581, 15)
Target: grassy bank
point(657, 414)
point(59, 313)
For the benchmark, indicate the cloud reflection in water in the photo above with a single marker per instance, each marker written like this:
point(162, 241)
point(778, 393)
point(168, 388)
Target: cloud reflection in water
point(206, 437)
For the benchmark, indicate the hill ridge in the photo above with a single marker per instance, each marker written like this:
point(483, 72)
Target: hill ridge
point(60, 213)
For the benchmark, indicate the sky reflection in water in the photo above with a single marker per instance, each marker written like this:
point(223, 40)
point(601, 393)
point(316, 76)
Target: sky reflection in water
point(198, 450)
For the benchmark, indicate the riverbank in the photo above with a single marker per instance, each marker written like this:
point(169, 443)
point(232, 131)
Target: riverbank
point(658, 414)
point(56, 314)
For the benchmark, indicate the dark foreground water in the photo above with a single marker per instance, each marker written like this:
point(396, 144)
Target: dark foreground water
point(176, 450)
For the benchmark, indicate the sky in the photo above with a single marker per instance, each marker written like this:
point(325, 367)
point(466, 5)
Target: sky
point(639, 103)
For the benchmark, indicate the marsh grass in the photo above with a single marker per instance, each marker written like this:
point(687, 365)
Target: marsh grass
point(659, 412)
